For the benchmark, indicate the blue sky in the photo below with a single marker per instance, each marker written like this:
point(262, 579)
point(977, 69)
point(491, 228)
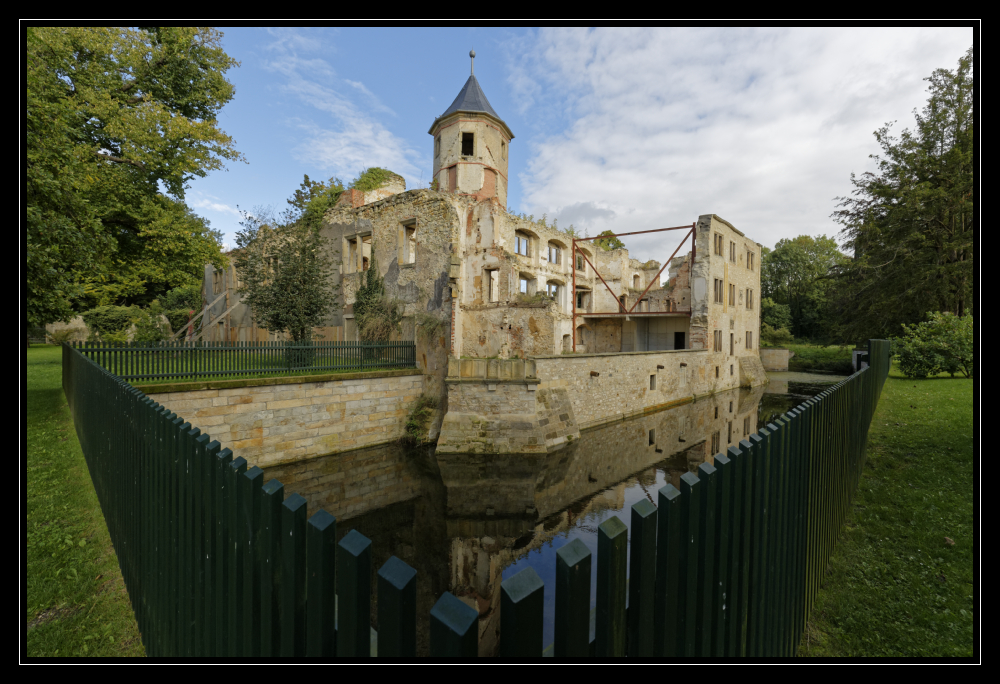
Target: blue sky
point(621, 129)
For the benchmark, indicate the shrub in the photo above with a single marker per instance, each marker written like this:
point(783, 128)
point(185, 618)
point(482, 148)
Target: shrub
point(420, 415)
point(186, 298)
point(942, 343)
point(109, 323)
point(771, 337)
point(65, 335)
point(149, 324)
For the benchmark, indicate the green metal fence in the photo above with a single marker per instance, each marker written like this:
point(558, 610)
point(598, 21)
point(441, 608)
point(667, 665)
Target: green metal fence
point(218, 562)
point(179, 360)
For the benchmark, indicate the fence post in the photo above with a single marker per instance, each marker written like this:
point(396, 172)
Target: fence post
point(250, 486)
point(612, 560)
point(321, 559)
point(293, 580)
point(642, 580)
point(271, 495)
point(687, 586)
point(522, 600)
point(397, 610)
point(572, 624)
point(216, 551)
point(454, 628)
point(666, 614)
point(237, 548)
point(722, 605)
point(706, 580)
point(354, 595)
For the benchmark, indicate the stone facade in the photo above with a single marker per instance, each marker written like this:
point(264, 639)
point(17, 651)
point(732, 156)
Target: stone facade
point(273, 423)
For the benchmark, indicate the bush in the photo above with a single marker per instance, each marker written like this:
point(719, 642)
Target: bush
point(942, 343)
point(149, 324)
point(109, 323)
point(182, 298)
point(65, 335)
point(771, 337)
point(419, 418)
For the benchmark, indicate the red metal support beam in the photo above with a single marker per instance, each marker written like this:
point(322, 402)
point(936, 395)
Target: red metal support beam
point(657, 278)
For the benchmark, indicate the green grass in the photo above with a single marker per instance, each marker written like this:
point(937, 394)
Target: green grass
point(76, 600)
point(896, 585)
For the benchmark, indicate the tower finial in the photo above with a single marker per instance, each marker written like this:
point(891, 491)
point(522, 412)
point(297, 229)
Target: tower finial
point(472, 54)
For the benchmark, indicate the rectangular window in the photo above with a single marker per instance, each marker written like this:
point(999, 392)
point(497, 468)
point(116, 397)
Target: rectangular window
point(749, 340)
point(410, 243)
point(652, 437)
point(217, 282)
point(732, 295)
point(732, 340)
point(493, 283)
point(729, 437)
point(553, 289)
point(437, 146)
point(522, 245)
point(652, 382)
point(579, 262)
point(732, 252)
point(503, 149)
point(523, 285)
point(467, 144)
point(750, 299)
point(717, 345)
point(718, 244)
point(554, 255)
point(750, 256)
point(715, 443)
point(718, 291)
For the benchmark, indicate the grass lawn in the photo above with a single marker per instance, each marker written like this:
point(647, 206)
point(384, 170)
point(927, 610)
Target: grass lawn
point(76, 602)
point(813, 357)
point(901, 581)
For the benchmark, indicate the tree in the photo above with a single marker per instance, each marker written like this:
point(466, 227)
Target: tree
point(378, 317)
point(911, 222)
point(799, 273)
point(607, 241)
point(117, 120)
point(285, 274)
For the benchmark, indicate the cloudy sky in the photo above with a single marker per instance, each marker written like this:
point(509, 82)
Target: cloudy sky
point(621, 129)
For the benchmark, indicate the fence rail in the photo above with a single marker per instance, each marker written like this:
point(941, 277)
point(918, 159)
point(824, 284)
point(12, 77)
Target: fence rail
point(178, 360)
point(218, 562)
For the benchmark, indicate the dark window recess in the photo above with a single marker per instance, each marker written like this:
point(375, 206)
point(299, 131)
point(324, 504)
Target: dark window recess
point(679, 340)
point(467, 139)
point(652, 437)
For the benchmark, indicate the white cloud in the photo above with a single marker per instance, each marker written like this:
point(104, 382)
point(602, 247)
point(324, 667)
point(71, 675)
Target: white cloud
point(760, 126)
point(350, 138)
point(213, 206)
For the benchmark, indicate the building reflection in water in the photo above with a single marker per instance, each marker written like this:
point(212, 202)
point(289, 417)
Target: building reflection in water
point(467, 521)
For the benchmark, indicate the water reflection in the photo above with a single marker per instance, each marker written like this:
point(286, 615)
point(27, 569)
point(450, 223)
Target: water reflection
point(467, 521)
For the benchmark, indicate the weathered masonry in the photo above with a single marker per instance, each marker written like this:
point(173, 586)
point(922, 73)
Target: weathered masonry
point(476, 282)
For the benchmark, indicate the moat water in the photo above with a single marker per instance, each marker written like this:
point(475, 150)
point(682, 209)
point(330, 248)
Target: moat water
point(466, 522)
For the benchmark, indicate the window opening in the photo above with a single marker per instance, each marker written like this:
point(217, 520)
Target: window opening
point(493, 283)
point(732, 252)
point(715, 442)
point(716, 371)
point(635, 282)
point(652, 437)
point(652, 382)
point(554, 254)
point(718, 244)
point(749, 340)
point(410, 244)
point(467, 144)
point(553, 289)
point(503, 149)
point(718, 291)
point(717, 338)
point(523, 285)
point(579, 262)
point(732, 295)
point(437, 146)
point(731, 345)
point(521, 246)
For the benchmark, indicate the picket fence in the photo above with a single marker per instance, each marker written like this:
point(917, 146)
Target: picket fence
point(233, 360)
point(218, 562)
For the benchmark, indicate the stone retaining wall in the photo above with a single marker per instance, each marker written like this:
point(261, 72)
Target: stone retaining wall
point(291, 420)
point(774, 358)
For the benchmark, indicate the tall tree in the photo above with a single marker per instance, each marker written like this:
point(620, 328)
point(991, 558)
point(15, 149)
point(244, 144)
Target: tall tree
point(117, 119)
point(911, 223)
point(798, 273)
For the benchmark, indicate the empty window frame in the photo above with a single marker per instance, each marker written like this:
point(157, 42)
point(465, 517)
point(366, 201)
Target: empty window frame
point(410, 242)
point(652, 382)
point(732, 344)
point(580, 263)
point(366, 251)
point(437, 146)
point(493, 285)
point(555, 254)
point(636, 282)
point(732, 252)
point(750, 259)
point(718, 244)
point(749, 298)
point(582, 300)
point(715, 443)
point(718, 291)
point(749, 340)
point(503, 149)
point(468, 144)
point(553, 290)
point(524, 285)
point(732, 295)
point(521, 242)
point(217, 282)
point(717, 346)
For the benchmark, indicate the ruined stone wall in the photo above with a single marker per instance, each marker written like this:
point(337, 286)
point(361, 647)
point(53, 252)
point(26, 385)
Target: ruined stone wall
point(422, 287)
point(620, 387)
point(278, 421)
point(515, 331)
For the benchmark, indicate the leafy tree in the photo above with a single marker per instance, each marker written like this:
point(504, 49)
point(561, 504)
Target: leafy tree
point(609, 242)
point(942, 343)
point(911, 223)
point(774, 314)
point(311, 201)
point(115, 117)
point(799, 273)
point(377, 316)
point(285, 274)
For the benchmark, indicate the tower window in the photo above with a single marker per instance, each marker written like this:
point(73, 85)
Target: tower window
point(467, 144)
point(437, 146)
point(503, 149)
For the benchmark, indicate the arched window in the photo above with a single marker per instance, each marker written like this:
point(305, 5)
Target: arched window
point(522, 242)
point(636, 282)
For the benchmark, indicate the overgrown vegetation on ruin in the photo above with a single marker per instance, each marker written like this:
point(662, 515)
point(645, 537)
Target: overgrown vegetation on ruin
point(418, 421)
point(372, 178)
point(377, 315)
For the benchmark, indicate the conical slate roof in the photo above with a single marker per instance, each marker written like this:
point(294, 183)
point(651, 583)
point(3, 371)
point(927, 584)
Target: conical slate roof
point(472, 99)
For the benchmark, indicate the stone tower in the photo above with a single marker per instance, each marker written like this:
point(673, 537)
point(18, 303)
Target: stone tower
point(471, 146)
